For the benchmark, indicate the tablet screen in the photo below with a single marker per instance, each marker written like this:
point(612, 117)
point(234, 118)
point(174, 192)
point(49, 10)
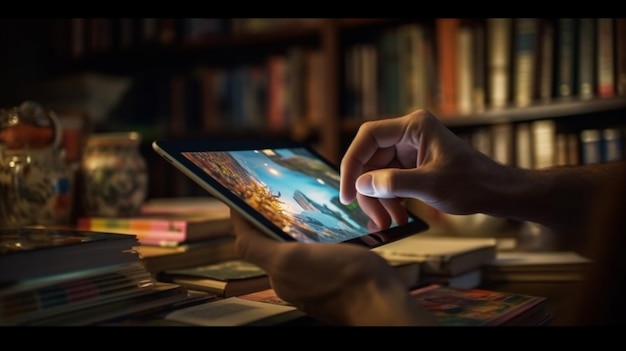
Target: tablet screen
point(293, 188)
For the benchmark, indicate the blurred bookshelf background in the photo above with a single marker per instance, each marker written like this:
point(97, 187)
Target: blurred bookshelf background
point(530, 92)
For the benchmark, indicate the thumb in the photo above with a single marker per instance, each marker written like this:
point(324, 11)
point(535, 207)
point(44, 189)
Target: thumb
point(390, 183)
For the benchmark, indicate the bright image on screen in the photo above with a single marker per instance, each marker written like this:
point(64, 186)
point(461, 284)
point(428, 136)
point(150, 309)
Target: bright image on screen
point(291, 188)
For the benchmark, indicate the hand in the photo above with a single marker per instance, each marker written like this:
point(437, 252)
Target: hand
point(338, 284)
point(414, 156)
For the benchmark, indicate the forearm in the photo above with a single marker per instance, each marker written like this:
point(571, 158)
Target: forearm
point(558, 197)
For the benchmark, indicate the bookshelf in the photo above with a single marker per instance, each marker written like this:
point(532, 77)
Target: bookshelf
point(170, 58)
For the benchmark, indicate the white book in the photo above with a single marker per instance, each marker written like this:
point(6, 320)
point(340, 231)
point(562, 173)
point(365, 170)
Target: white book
point(232, 311)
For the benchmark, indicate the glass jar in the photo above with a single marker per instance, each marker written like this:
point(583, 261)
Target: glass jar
point(115, 175)
point(36, 184)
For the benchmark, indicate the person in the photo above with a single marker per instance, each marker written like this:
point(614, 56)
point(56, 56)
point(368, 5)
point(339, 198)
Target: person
point(417, 156)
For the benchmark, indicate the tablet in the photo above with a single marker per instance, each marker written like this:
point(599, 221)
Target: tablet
point(283, 186)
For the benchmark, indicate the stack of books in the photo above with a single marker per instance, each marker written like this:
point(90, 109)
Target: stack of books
point(70, 277)
point(452, 261)
point(174, 233)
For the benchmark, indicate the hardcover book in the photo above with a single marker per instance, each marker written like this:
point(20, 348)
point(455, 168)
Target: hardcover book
point(225, 279)
point(27, 253)
point(53, 295)
point(168, 223)
point(160, 258)
point(439, 254)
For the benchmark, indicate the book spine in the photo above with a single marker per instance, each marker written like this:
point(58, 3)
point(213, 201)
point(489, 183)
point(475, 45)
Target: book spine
point(545, 71)
point(586, 58)
point(446, 31)
point(499, 32)
point(524, 60)
point(566, 58)
point(31, 302)
point(465, 64)
point(605, 63)
point(145, 230)
point(620, 55)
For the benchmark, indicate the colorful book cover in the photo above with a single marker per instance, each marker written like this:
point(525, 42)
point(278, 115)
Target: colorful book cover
point(477, 307)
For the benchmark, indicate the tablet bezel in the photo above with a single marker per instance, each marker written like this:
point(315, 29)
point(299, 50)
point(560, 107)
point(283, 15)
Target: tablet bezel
point(172, 151)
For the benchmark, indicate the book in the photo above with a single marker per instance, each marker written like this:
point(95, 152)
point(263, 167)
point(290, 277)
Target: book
point(465, 48)
point(52, 295)
point(499, 48)
point(160, 258)
point(545, 66)
point(227, 278)
point(447, 51)
point(441, 254)
point(160, 296)
point(478, 307)
point(530, 266)
point(586, 58)
point(620, 56)
point(468, 280)
point(27, 253)
point(234, 311)
point(605, 63)
point(412, 62)
point(543, 135)
point(409, 271)
point(524, 60)
point(565, 57)
point(168, 223)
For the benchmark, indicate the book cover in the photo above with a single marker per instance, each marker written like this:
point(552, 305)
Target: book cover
point(440, 254)
point(160, 258)
point(224, 279)
point(223, 270)
point(27, 253)
point(477, 307)
point(232, 311)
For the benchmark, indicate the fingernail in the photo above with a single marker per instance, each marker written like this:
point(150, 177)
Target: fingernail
point(364, 185)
